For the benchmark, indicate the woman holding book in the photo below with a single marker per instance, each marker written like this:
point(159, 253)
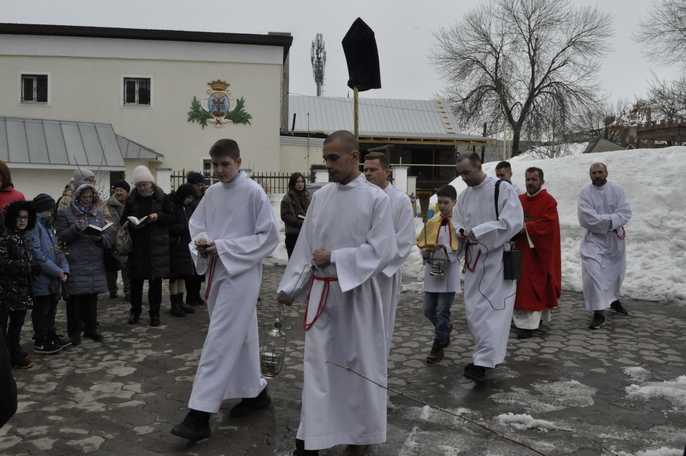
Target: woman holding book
point(148, 214)
point(85, 234)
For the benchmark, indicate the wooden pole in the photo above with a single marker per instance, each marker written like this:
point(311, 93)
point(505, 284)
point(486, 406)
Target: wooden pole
point(356, 113)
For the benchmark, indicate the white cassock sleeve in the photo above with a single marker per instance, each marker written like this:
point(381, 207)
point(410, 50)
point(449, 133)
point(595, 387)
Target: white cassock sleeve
point(197, 227)
point(494, 234)
point(404, 236)
point(296, 276)
point(355, 265)
point(590, 219)
point(243, 253)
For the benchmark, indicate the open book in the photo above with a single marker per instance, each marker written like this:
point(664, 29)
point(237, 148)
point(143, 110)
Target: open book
point(94, 230)
point(135, 221)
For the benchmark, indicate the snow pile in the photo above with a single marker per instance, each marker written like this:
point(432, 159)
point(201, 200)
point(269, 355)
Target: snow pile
point(524, 422)
point(673, 391)
point(656, 237)
point(637, 374)
point(553, 151)
point(662, 451)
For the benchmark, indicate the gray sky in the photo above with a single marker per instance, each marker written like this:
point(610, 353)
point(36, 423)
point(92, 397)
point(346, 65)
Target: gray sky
point(404, 32)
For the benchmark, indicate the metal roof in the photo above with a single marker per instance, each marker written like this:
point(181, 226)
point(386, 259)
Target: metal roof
point(59, 143)
point(283, 40)
point(378, 117)
point(131, 150)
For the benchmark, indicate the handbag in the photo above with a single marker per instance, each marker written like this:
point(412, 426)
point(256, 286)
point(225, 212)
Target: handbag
point(122, 241)
point(512, 257)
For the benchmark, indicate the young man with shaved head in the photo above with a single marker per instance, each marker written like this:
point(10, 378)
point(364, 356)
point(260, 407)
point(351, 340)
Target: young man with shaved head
point(377, 171)
point(345, 243)
point(603, 212)
point(487, 216)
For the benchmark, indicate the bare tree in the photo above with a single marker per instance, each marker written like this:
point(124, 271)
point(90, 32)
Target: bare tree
point(519, 62)
point(668, 98)
point(663, 33)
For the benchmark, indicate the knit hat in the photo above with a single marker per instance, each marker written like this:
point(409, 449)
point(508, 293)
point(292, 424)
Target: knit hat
point(43, 203)
point(142, 174)
point(122, 184)
point(195, 177)
point(81, 176)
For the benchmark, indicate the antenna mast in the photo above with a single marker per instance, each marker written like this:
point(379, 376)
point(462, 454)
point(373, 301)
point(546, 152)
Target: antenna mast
point(318, 59)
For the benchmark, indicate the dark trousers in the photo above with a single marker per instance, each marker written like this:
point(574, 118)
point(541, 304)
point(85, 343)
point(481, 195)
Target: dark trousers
point(43, 317)
point(8, 387)
point(111, 275)
point(291, 239)
point(437, 310)
point(154, 296)
point(193, 286)
point(82, 314)
point(11, 323)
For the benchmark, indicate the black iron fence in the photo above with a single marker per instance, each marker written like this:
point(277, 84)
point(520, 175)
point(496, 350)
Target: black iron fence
point(271, 181)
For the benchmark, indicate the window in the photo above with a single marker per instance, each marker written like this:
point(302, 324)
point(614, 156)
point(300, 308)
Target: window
point(207, 167)
point(137, 91)
point(34, 88)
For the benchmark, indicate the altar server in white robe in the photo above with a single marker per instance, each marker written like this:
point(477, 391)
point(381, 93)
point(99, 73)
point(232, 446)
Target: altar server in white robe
point(232, 230)
point(489, 298)
point(348, 237)
point(377, 171)
point(603, 212)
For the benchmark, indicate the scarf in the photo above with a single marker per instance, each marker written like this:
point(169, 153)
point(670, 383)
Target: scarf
point(428, 238)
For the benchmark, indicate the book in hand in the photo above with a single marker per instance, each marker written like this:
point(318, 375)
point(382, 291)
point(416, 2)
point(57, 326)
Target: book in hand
point(135, 221)
point(301, 217)
point(93, 230)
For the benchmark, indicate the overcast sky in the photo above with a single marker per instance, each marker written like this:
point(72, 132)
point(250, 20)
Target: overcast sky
point(404, 31)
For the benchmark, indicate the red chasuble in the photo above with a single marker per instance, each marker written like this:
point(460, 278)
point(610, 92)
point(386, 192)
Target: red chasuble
point(539, 287)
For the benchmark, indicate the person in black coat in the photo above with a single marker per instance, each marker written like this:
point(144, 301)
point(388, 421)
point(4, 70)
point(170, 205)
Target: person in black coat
point(293, 209)
point(149, 256)
point(181, 264)
point(199, 184)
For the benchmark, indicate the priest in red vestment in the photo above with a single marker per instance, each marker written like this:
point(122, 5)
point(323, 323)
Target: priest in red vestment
point(538, 288)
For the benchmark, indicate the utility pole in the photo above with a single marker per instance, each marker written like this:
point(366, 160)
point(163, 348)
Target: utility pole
point(318, 59)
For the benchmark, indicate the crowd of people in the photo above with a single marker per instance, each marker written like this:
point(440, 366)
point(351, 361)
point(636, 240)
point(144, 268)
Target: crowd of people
point(346, 245)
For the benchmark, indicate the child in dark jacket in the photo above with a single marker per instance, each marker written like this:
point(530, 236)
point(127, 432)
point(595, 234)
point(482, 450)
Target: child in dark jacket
point(15, 278)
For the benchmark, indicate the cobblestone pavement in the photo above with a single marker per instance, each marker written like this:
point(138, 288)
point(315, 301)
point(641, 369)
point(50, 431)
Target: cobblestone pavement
point(615, 391)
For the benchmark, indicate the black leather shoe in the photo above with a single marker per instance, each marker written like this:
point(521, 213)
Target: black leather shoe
point(134, 318)
point(619, 308)
point(475, 373)
point(196, 426)
point(598, 320)
point(247, 406)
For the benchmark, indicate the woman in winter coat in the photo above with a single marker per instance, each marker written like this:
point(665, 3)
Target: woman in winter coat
point(293, 209)
point(15, 278)
point(114, 209)
point(85, 250)
point(181, 264)
point(47, 284)
point(149, 256)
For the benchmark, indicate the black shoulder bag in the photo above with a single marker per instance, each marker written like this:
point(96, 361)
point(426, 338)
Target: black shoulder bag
point(512, 258)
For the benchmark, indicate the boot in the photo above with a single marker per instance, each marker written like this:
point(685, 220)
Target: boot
point(436, 353)
point(154, 314)
point(246, 406)
point(196, 426)
point(134, 317)
point(185, 308)
point(176, 310)
point(619, 308)
point(598, 319)
point(301, 451)
point(475, 373)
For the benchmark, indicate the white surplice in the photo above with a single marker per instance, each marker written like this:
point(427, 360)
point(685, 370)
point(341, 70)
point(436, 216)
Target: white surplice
point(489, 298)
point(354, 222)
point(603, 213)
point(389, 279)
point(238, 217)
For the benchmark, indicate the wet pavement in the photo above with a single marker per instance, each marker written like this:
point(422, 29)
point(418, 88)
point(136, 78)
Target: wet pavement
point(620, 390)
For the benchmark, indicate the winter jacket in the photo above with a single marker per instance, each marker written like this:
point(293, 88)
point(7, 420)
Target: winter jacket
point(85, 253)
point(113, 212)
point(149, 257)
point(51, 260)
point(179, 236)
point(294, 203)
point(15, 260)
point(8, 195)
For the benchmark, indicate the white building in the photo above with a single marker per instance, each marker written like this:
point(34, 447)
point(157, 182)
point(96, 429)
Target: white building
point(139, 87)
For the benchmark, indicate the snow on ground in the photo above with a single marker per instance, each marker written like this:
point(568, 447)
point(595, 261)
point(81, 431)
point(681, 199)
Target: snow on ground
point(554, 151)
point(662, 451)
point(656, 238)
point(673, 391)
point(522, 422)
point(637, 373)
